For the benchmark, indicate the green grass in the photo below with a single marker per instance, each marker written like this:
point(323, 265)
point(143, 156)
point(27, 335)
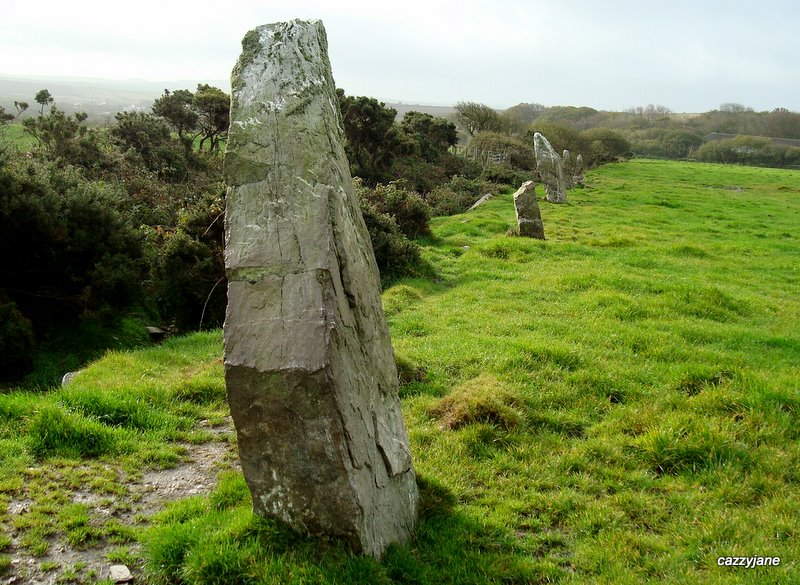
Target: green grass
point(14, 134)
point(617, 404)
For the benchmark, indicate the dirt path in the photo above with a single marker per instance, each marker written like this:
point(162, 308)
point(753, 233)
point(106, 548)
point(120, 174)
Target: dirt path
point(66, 564)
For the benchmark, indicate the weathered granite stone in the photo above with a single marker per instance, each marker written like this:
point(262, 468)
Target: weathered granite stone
point(548, 163)
point(529, 217)
point(309, 366)
point(480, 201)
point(578, 178)
point(568, 167)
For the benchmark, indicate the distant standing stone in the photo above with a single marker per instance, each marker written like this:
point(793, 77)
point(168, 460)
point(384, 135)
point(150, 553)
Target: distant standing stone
point(69, 377)
point(568, 166)
point(548, 163)
point(529, 216)
point(578, 178)
point(309, 366)
point(480, 201)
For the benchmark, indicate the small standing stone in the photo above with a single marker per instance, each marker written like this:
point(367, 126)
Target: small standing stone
point(529, 217)
point(568, 167)
point(548, 163)
point(578, 172)
point(69, 377)
point(480, 201)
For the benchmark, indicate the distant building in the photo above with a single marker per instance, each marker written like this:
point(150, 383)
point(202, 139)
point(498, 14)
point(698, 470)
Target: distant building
point(716, 136)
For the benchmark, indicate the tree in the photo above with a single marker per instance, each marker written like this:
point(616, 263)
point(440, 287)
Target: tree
point(43, 98)
point(373, 140)
point(213, 113)
point(149, 136)
point(474, 118)
point(734, 108)
point(781, 123)
point(434, 136)
point(177, 108)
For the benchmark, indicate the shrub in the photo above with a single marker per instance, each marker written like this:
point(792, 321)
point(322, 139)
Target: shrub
point(406, 207)
point(507, 175)
point(444, 201)
point(16, 342)
point(606, 145)
point(76, 251)
point(518, 154)
point(395, 254)
point(457, 195)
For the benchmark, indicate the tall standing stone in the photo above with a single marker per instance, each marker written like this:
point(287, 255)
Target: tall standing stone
point(578, 178)
point(567, 166)
point(529, 216)
point(309, 366)
point(548, 163)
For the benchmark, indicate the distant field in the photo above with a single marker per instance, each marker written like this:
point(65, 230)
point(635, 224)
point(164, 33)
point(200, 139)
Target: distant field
point(617, 404)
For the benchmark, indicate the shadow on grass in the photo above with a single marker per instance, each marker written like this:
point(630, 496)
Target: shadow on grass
point(217, 540)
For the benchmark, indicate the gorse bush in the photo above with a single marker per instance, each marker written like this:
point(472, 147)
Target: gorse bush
point(16, 340)
point(76, 252)
point(395, 255)
point(408, 209)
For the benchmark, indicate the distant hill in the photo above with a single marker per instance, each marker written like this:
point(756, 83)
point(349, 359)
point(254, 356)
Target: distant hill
point(102, 98)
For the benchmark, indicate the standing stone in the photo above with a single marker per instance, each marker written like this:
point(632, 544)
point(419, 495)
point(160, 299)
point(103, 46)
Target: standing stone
point(309, 366)
point(480, 201)
point(578, 172)
point(529, 217)
point(548, 163)
point(568, 167)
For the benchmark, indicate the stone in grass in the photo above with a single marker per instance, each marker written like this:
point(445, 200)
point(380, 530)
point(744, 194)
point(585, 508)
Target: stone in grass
point(578, 178)
point(480, 201)
point(568, 167)
point(120, 574)
point(549, 166)
point(309, 367)
point(529, 216)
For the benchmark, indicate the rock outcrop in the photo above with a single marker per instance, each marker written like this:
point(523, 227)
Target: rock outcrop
point(529, 216)
point(309, 366)
point(548, 163)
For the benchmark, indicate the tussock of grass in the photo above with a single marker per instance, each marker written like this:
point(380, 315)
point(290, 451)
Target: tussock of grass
point(481, 400)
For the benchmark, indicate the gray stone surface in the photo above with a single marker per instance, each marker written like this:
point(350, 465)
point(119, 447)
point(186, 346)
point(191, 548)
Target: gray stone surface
point(69, 377)
point(578, 177)
point(309, 366)
point(548, 163)
point(568, 168)
point(529, 216)
point(480, 201)
point(120, 574)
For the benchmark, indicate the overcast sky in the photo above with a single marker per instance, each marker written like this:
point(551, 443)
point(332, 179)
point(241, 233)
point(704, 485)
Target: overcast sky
point(690, 56)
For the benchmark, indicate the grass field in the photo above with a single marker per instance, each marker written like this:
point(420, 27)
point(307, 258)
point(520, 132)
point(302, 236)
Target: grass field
point(14, 134)
point(617, 404)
